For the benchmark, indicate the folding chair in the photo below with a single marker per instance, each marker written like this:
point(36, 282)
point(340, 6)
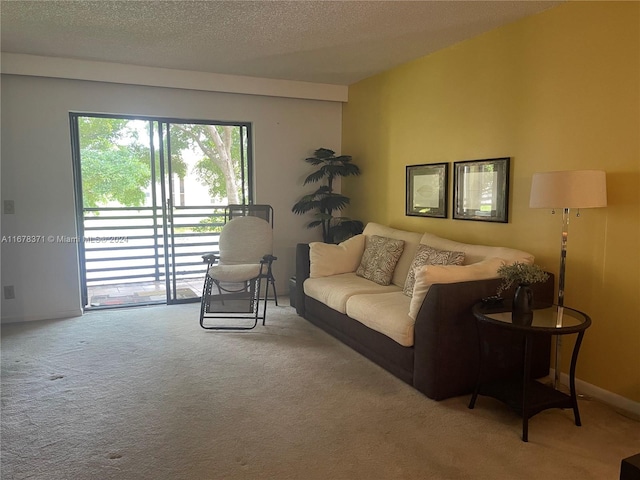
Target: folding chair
point(261, 211)
point(233, 283)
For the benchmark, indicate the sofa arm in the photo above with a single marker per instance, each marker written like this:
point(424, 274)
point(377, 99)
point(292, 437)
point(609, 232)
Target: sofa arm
point(302, 273)
point(446, 345)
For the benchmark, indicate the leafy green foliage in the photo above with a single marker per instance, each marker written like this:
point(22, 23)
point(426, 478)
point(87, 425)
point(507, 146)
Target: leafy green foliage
point(114, 175)
point(115, 167)
point(521, 274)
point(324, 201)
point(212, 177)
point(209, 224)
point(220, 167)
point(116, 161)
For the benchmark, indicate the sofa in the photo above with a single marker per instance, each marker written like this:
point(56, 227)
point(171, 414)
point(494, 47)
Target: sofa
point(403, 300)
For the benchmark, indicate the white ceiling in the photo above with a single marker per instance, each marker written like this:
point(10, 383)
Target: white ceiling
point(335, 42)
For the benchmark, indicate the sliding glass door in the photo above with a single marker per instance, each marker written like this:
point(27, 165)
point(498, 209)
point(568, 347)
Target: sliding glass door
point(150, 198)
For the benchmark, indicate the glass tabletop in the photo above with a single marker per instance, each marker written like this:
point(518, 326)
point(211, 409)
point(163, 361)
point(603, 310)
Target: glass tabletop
point(563, 319)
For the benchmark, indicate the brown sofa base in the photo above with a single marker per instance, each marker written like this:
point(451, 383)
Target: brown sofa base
point(377, 347)
point(454, 375)
point(444, 360)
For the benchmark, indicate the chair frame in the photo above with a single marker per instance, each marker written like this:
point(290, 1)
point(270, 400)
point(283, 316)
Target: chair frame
point(212, 259)
point(263, 211)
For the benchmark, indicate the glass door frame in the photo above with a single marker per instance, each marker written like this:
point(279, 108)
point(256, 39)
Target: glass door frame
point(160, 127)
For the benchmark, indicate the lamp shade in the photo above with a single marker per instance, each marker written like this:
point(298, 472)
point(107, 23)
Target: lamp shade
point(569, 189)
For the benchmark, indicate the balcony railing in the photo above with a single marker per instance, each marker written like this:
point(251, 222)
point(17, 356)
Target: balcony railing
point(127, 244)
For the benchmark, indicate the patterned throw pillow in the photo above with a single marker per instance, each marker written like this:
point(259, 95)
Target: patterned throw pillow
point(426, 255)
point(379, 259)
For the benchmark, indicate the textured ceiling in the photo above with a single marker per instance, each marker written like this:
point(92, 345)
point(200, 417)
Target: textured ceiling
point(316, 41)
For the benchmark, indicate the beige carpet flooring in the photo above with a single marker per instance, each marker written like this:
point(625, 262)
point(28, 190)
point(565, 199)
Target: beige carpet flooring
point(144, 393)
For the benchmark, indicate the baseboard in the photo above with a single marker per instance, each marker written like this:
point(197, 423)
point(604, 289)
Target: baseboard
point(617, 401)
point(35, 318)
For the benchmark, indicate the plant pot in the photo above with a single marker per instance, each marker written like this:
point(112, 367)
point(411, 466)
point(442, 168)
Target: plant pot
point(522, 310)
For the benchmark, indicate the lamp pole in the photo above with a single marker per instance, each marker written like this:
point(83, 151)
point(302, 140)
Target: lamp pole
point(560, 313)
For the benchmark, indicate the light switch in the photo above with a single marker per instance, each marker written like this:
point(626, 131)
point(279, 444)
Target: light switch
point(9, 292)
point(9, 207)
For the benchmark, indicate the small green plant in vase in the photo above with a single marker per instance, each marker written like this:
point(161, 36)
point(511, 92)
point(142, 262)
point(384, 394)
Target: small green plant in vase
point(522, 275)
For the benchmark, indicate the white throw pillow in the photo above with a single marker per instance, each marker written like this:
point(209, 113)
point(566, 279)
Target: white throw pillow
point(327, 259)
point(427, 275)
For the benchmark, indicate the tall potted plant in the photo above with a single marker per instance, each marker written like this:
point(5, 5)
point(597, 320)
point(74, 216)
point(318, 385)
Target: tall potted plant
point(324, 201)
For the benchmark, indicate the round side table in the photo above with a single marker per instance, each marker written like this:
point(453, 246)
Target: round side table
point(527, 396)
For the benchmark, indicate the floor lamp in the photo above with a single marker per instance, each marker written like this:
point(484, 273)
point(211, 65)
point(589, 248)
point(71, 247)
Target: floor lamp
point(566, 190)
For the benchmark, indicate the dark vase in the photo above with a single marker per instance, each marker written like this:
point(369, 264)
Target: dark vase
point(522, 311)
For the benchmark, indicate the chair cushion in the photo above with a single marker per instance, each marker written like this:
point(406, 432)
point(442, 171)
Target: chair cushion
point(386, 313)
point(327, 259)
point(234, 273)
point(245, 240)
point(379, 259)
point(426, 255)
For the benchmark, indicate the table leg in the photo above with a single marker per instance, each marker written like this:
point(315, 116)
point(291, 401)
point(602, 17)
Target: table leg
point(525, 386)
point(572, 378)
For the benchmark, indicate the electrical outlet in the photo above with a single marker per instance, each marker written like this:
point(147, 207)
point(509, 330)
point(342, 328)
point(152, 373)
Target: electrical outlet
point(9, 292)
point(9, 207)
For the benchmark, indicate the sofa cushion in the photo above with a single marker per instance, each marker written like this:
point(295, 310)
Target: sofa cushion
point(430, 274)
point(334, 291)
point(477, 253)
point(426, 255)
point(385, 313)
point(327, 259)
point(379, 259)
point(411, 242)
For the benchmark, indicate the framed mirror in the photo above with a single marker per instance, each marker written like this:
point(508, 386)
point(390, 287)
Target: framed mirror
point(481, 190)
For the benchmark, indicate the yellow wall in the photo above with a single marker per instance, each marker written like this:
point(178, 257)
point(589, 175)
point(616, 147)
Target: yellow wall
point(555, 91)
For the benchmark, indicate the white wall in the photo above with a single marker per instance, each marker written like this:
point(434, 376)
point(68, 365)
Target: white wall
point(37, 172)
